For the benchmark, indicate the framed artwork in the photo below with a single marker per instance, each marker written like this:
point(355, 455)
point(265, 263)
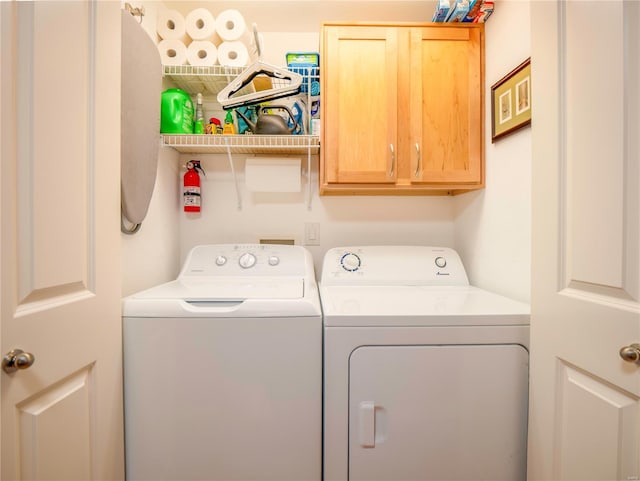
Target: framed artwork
point(511, 101)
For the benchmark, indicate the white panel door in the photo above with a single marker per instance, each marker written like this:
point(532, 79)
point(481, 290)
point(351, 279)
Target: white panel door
point(584, 410)
point(60, 284)
point(437, 413)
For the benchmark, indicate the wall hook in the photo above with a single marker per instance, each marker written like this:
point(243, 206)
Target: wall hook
point(136, 12)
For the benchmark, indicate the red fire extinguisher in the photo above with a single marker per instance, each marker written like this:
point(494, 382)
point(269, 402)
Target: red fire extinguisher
point(191, 193)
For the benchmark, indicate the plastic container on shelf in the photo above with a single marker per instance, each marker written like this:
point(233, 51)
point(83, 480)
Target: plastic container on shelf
point(229, 127)
point(198, 126)
point(176, 112)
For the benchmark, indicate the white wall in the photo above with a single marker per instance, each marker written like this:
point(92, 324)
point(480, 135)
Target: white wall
point(493, 226)
point(352, 220)
point(490, 228)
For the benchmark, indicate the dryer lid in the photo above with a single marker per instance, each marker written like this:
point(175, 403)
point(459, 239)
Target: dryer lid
point(396, 306)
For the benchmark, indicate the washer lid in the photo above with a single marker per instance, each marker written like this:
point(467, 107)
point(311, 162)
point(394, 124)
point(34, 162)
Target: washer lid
point(227, 289)
point(230, 298)
point(419, 306)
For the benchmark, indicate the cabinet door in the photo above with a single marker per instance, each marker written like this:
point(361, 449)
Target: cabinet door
point(359, 96)
point(446, 141)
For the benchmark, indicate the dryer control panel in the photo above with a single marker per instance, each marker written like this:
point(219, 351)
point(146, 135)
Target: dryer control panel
point(393, 265)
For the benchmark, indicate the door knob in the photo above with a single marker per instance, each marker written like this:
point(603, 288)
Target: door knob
point(17, 359)
point(631, 353)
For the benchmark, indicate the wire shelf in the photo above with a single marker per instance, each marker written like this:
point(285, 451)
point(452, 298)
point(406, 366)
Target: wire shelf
point(205, 80)
point(211, 80)
point(243, 144)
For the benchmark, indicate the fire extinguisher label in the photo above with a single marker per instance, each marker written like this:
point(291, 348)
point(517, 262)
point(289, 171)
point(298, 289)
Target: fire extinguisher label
point(191, 196)
point(192, 200)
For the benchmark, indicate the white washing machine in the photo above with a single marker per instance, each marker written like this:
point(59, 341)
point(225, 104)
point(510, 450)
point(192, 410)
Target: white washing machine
point(223, 369)
point(425, 376)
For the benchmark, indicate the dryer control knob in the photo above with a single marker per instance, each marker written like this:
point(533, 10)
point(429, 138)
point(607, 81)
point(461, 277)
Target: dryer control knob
point(221, 260)
point(441, 262)
point(247, 260)
point(350, 262)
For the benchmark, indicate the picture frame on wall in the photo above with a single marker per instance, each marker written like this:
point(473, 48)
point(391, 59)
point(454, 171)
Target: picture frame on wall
point(511, 101)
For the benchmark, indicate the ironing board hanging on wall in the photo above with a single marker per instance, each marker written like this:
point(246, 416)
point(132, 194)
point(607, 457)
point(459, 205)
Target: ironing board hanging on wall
point(141, 85)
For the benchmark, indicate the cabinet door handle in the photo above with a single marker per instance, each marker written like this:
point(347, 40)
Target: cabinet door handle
point(393, 161)
point(367, 424)
point(418, 166)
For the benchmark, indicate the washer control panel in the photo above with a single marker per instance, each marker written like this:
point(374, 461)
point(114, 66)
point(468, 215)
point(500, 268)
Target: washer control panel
point(246, 260)
point(393, 265)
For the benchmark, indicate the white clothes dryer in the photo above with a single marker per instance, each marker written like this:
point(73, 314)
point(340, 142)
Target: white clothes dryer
point(425, 376)
point(223, 369)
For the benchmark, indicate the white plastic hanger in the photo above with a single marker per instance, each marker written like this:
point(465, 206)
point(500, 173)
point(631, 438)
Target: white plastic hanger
point(258, 67)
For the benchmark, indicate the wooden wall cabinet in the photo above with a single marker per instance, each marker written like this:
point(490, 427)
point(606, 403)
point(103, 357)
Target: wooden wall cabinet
point(402, 108)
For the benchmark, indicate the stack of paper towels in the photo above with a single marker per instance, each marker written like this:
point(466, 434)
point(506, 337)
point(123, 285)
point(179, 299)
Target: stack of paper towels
point(201, 39)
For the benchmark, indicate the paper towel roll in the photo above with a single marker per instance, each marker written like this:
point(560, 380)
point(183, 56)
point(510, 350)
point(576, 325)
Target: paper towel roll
point(171, 25)
point(202, 53)
point(233, 54)
point(172, 52)
point(230, 25)
point(200, 24)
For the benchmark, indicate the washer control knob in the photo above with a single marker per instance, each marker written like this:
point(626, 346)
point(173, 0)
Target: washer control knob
point(350, 262)
point(274, 260)
point(441, 262)
point(247, 260)
point(221, 260)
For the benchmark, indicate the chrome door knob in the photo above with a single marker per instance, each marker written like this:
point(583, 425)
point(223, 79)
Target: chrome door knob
point(631, 353)
point(17, 359)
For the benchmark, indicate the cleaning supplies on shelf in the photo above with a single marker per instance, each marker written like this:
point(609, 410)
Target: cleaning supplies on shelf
point(198, 126)
point(299, 118)
point(248, 111)
point(213, 127)
point(306, 64)
point(271, 124)
point(176, 112)
point(229, 127)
